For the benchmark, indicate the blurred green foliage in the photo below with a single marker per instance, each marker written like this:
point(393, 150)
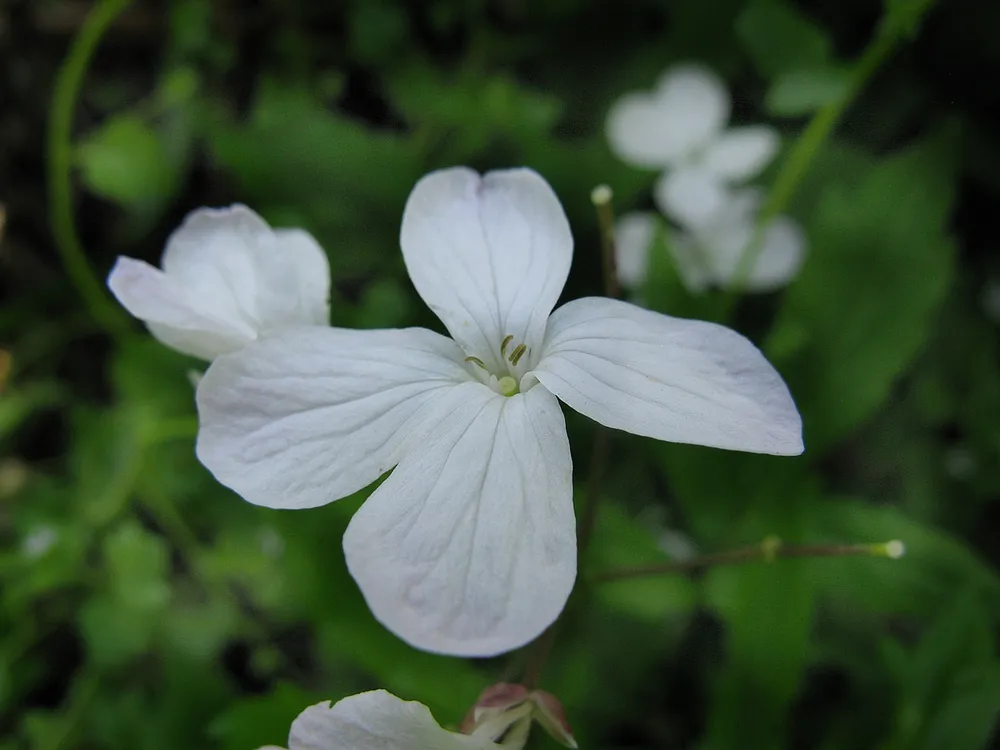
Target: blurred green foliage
point(143, 606)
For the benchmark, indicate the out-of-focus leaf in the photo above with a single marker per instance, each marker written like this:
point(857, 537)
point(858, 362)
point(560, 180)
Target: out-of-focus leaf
point(935, 564)
point(802, 91)
point(16, 405)
point(377, 28)
point(780, 39)
point(622, 542)
point(879, 265)
point(262, 720)
point(343, 181)
point(126, 161)
point(967, 716)
point(120, 622)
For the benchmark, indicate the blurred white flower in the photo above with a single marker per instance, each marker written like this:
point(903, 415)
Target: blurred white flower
point(711, 255)
point(469, 546)
point(38, 541)
point(680, 127)
point(634, 235)
point(227, 277)
point(377, 720)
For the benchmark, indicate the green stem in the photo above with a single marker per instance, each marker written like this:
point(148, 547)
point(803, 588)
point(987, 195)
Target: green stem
point(804, 150)
point(60, 152)
point(85, 688)
point(769, 550)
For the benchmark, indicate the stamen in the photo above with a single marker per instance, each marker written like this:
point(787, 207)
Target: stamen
point(503, 346)
point(476, 361)
point(515, 356)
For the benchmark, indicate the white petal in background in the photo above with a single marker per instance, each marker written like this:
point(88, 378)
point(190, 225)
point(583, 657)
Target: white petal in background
point(775, 264)
point(488, 254)
point(693, 197)
point(226, 278)
point(375, 720)
point(741, 153)
point(634, 235)
point(469, 547)
point(306, 417)
point(684, 381)
point(658, 129)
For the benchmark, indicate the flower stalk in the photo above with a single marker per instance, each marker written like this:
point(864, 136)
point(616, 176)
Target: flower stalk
point(769, 550)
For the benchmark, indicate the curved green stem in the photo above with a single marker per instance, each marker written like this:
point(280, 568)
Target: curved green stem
point(804, 150)
point(60, 153)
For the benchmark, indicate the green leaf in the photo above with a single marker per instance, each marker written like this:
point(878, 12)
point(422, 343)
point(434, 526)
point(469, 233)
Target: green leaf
point(780, 39)
point(120, 622)
point(621, 542)
point(802, 91)
point(261, 720)
point(879, 266)
point(966, 717)
point(935, 564)
point(126, 161)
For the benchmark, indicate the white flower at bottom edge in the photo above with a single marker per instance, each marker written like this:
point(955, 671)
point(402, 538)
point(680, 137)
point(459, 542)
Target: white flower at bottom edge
point(712, 255)
point(469, 547)
point(227, 277)
point(680, 127)
point(376, 720)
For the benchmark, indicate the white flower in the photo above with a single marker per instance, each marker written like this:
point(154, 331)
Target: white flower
point(712, 255)
point(227, 277)
point(634, 235)
point(681, 127)
point(376, 720)
point(468, 547)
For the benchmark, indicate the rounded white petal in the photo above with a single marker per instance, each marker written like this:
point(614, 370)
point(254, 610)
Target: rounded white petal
point(227, 277)
point(375, 720)
point(777, 262)
point(152, 296)
point(689, 106)
point(741, 153)
point(634, 234)
point(488, 254)
point(685, 381)
point(692, 196)
point(310, 415)
point(469, 547)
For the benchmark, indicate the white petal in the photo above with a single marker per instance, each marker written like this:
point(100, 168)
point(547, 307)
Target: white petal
point(777, 262)
point(691, 262)
point(691, 196)
point(171, 316)
point(683, 114)
point(227, 277)
point(634, 234)
point(310, 415)
point(469, 547)
point(375, 720)
point(685, 381)
point(741, 153)
point(489, 255)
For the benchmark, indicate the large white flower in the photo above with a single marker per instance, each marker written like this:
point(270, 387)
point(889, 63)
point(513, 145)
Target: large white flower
point(376, 720)
point(468, 547)
point(227, 277)
point(680, 127)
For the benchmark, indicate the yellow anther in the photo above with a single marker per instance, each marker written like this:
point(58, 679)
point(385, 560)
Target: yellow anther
point(515, 356)
point(503, 346)
point(476, 361)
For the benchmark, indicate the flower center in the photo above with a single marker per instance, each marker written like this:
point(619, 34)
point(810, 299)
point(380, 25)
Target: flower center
point(511, 356)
